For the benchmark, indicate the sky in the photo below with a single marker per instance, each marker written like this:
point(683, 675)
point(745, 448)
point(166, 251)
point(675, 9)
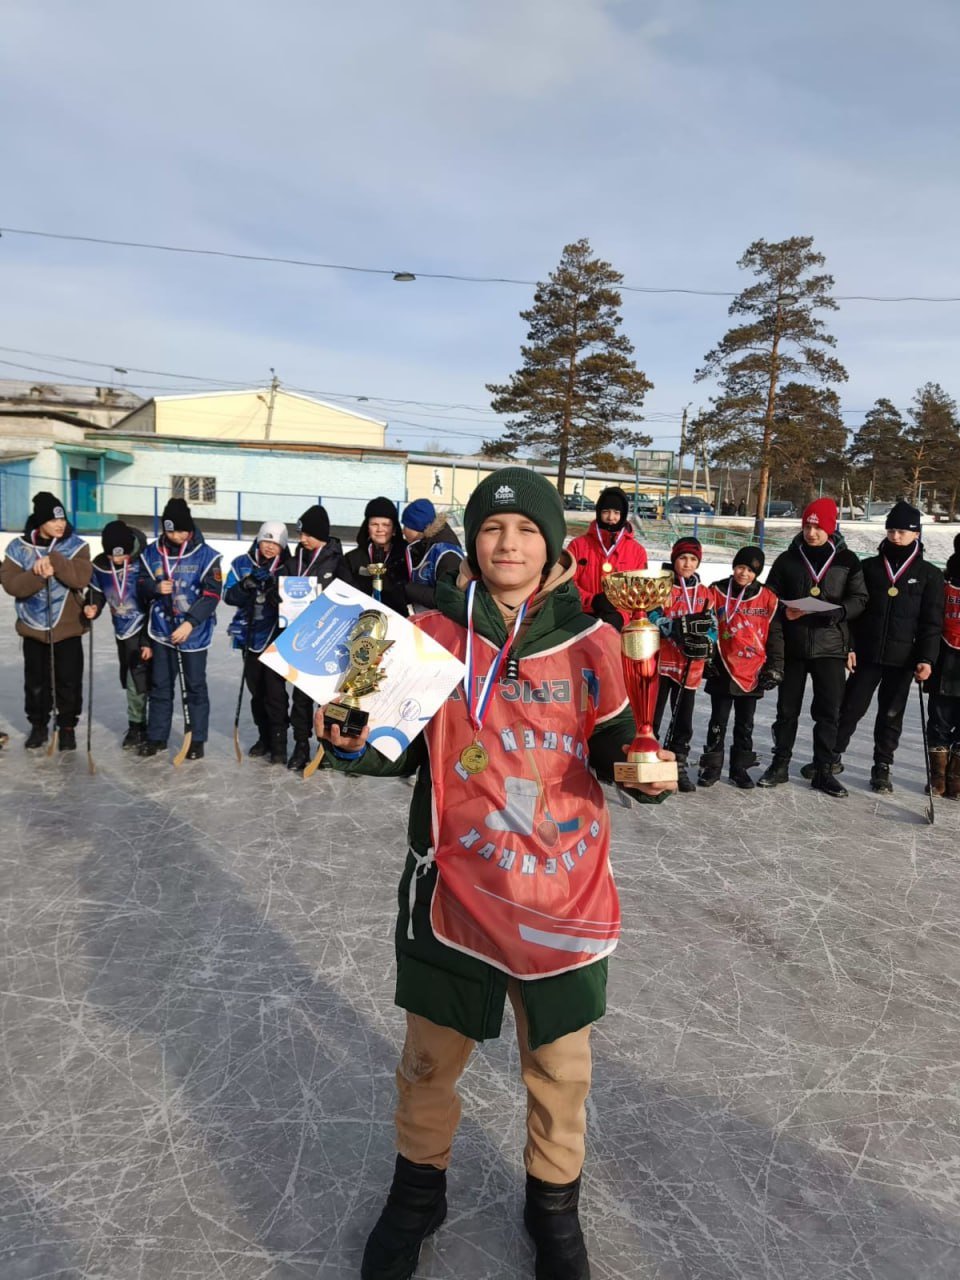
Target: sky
point(473, 139)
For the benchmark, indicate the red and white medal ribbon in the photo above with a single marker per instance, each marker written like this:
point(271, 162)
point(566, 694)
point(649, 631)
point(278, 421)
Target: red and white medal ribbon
point(689, 597)
point(729, 613)
point(895, 577)
point(301, 572)
point(478, 706)
point(120, 584)
point(818, 577)
point(607, 554)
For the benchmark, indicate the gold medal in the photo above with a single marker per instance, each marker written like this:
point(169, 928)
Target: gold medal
point(474, 758)
point(814, 591)
point(607, 567)
point(893, 591)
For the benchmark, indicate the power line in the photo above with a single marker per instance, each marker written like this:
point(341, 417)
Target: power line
point(422, 275)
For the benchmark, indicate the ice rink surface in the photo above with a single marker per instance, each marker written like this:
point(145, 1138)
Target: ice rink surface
point(198, 1035)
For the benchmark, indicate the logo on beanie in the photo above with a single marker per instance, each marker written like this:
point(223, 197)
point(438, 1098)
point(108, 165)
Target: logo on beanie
point(168, 526)
point(117, 552)
point(504, 494)
point(299, 526)
point(813, 518)
point(59, 513)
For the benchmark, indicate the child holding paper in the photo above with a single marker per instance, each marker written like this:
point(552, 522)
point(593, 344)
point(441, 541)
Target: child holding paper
point(507, 891)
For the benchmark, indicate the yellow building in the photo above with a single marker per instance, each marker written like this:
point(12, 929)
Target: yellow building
point(268, 414)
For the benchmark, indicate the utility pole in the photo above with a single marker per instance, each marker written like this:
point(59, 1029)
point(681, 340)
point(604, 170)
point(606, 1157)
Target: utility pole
point(274, 384)
point(683, 445)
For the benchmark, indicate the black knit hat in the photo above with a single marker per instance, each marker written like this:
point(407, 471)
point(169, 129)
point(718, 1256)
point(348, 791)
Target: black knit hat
point(903, 516)
point(47, 506)
point(520, 491)
point(176, 517)
point(118, 539)
point(315, 523)
point(752, 557)
point(613, 499)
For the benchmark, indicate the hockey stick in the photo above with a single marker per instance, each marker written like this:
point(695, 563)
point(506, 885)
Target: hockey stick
point(926, 755)
point(181, 755)
point(668, 740)
point(314, 764)
point(236, 718)
point(53, 675)
point(91, 767)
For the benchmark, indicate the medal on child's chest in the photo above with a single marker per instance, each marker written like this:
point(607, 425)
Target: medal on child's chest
point(474, 757)
point(815, 590)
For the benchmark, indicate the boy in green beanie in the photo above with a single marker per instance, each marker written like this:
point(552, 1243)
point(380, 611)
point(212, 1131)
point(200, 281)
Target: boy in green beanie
point(507, 890)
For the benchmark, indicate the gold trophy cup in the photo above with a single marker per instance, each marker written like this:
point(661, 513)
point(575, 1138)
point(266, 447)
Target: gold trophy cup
point(377, 570)
point(366, 646)
point(640, 590)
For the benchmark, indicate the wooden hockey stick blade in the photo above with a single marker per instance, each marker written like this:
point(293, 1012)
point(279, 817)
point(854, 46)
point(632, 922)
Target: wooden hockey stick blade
point(314, 764)
point(181, 755)
point(54, 738)
point(236, 743)
point(91, 767)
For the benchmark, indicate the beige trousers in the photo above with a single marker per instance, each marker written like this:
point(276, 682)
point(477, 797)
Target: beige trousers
point(557, 1079)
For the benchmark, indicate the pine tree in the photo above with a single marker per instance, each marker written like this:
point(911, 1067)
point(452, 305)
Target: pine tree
point(780, 338)
point(877, 452)
point(932, 452)
point(578, 385)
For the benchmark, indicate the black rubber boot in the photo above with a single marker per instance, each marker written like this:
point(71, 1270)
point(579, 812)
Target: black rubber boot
point(810, 769)
point(825, 781)
point(67, 739)
point(148, 748)
point(740, 762)
point(300, 756)
point(38, 738)
point(136, 733)
point(880, 778)
point(196, 751)
point(278, 746)
point(260, 748)
point(711, 767)
point(416, 1205)
point(685, 784)
point(778, 772)
point(551, 1216)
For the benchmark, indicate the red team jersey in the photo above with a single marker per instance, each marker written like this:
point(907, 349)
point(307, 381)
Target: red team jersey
point(522, 848)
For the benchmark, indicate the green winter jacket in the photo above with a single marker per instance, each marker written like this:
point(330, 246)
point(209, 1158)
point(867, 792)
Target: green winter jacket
point(434, 980)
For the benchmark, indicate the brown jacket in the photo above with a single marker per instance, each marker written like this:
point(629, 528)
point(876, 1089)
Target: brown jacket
point(75, 575)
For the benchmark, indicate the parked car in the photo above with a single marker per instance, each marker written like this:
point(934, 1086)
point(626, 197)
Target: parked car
point(576, 502)
point(644, 507)
point(686, 504)
point(780, 510)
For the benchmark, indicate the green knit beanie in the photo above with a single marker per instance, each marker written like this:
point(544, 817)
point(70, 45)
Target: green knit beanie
point(515, 489)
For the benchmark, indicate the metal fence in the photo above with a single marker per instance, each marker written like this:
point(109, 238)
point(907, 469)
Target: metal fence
point(235, 512)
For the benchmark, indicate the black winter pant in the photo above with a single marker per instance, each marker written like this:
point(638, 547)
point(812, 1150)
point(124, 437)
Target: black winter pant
point(943, 726)
point(744, 709)
point(679, 744)
point(268, 696)
point(301, 715)
point(892, 686)
point(829, 677)
point(68, 661)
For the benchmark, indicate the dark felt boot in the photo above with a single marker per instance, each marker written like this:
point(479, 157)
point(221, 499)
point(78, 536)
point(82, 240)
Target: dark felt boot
point(740, 762)
point(300, 755)
point(711, 767)
point(38, 738)
point(685, 784)
point(937, 757)
point(552, 1218)
point(416, 1205)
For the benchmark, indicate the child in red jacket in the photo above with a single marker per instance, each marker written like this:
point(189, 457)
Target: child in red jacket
point(608, 546)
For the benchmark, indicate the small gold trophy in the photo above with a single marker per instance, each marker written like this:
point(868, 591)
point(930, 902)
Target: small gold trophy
point(377, 570)
point(366, 646)
point(640, 590)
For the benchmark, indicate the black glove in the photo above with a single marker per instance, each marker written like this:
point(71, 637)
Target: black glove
point(604, 609)
point(271, 592)
point(694, 637)
point(249, 583)
point(770, 678)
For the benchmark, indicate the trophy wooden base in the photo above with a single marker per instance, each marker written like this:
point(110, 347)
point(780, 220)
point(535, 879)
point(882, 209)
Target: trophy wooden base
point(630, 772)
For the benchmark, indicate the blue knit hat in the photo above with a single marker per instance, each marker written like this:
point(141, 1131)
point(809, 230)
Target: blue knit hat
point(418, 515)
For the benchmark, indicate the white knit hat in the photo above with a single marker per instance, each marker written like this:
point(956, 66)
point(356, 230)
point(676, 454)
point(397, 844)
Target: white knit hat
point(273, 531)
